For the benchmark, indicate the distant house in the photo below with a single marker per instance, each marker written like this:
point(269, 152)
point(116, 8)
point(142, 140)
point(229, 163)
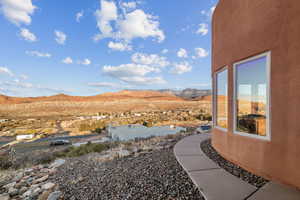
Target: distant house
point(256, 82)
point(3, 120)
point(25, 137)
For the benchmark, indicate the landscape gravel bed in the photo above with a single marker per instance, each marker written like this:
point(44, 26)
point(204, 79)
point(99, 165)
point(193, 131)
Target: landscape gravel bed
point(152, 175)
point(232, 168)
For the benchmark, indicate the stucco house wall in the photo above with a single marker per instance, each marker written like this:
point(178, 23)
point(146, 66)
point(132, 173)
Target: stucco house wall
point(245, 28)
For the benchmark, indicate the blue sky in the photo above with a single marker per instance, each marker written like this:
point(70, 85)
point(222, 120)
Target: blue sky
point(87, 47)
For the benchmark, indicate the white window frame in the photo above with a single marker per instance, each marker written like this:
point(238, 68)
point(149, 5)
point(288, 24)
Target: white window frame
point(268, 106)
point(215, 103)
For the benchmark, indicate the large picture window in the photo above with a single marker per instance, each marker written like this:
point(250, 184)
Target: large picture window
point(252, 96)
point(221, 98)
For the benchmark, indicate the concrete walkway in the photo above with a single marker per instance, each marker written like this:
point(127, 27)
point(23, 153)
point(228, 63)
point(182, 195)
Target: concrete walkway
point(217, 184)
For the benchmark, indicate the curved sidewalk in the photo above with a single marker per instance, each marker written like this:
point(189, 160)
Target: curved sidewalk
point(217, 184)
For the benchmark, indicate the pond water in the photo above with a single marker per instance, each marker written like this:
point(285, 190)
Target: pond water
point(130, 132)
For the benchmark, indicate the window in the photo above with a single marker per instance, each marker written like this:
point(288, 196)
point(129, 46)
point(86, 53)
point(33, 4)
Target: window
point(221, 99)
point(251, 99)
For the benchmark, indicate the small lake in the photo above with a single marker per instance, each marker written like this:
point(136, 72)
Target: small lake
point(129, 132)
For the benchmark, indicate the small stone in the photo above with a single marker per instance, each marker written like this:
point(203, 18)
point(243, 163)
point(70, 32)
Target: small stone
point(9, 185)
point(36, 192)
point(22, 190)
point(54, 195)
point(20, 184)
point(4, 196)
point(27, 194)
point(29, 180)
point(13, 192)
point(28, 171)
point(123, 153)
point(44, 178)
point(32, 187)
point(57, 163)
point(44, 195)
point(48, 186)
point(18, 177)
point(52, 171)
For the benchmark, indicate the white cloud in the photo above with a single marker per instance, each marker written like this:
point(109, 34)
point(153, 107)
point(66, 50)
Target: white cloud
point(182, 53)
point(79, 15)
point(134, 74)
point(200, 53)
point(127, 26)
point(164, 51)
point(85, 62)
point(108, 85)
point(17, 11)
point(180, 68)
point(24, 77)
point(27, 35)
point(67, 60)
point(60, 37)
point(119, 46)
point(104, 16)
point(212, 9)
point(128, 70)
point(139, 24)
point(149, 59)
point(38, 54)
point(25, 85)
point(5, 71)
point(208, 13)
point(141, 80)
point(203, 85)
point(130, 5)
point(203, 29)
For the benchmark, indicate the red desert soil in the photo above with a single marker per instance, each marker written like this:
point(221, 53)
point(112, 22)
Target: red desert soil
point(110, 96)
point(123, 101)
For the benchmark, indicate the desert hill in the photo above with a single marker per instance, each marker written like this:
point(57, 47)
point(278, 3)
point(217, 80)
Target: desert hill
point(110, 96)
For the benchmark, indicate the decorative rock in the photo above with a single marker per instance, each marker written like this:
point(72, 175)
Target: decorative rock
point(57, 163)
point(52, 171)
point(32, 187)
point(54, 195)
point(123, 153)
point(20, 184)
point(44, 178)
point(27, 194)
point(44, 195)
point(22, 190)
point(9, 185)
point(28, 171)
point(48, 186)
point(4, 197)
point(13, 192)
point(36, 192)
point(18, 177)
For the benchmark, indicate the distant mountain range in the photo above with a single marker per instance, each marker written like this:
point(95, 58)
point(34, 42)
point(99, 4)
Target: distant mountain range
point(188, 93)
point(166, 94)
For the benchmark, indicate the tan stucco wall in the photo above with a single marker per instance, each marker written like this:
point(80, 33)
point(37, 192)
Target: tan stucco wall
point(244, 28)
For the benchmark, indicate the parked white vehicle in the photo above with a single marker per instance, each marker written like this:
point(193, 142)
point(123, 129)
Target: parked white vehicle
point(25, 137)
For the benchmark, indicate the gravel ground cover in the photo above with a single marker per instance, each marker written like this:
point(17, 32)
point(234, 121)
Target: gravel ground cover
point(153, 175)
point(235, 170)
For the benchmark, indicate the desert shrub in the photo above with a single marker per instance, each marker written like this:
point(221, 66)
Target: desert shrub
point(148, 123)
point(204, 117)
point(82, 150)
point(5, 162)
point(44, 159)
point(94, 126)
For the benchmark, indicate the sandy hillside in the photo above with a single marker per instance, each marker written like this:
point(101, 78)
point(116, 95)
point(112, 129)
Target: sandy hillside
point(64, 105)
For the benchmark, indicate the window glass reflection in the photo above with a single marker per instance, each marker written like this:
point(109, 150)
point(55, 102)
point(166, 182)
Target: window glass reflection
point(251, 96)
point(221, 98)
